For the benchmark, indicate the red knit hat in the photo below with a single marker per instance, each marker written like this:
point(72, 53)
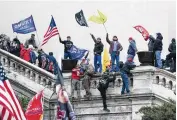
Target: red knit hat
point(130, 38)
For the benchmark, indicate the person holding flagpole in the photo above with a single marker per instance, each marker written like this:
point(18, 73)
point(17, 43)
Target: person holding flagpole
point(67, 44)
point(114, 50)
point(98, 49)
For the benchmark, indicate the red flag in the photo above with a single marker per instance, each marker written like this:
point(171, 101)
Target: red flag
point(35, 107)
point(143, 31)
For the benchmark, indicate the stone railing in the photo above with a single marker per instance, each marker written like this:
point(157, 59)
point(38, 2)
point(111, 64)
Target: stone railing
point(165, 79)
point(13, 63)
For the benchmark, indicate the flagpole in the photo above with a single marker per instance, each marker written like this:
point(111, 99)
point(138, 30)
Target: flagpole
point(105, 28)
point(36, 33)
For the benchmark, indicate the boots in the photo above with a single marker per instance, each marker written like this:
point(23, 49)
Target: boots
point(106, 109)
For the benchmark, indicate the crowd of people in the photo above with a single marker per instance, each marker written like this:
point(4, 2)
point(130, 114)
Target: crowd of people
point(155, 45)
point(84, 69)
point(29, 52)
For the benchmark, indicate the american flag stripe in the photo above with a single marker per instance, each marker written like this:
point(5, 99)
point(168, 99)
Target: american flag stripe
point(46, 40)
point(5, 115)
point(51, 31)
point(48, 33)
point(9, 89)
point(51, 35)
point(5, 103)
point(12, 103)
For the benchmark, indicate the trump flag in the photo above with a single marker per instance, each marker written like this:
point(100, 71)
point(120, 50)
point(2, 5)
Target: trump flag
point(24, 26)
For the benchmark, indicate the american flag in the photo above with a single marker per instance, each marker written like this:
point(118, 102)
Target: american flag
point(52, 31)
point(10, 108)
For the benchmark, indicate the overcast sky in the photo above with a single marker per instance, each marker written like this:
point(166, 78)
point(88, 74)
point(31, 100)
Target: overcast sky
point(122, 16)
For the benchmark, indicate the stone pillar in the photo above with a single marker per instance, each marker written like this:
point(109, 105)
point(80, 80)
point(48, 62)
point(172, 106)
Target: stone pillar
point(22, 70)
point(36, 78)
point(142, 79)
point(136, 105)
point(31, 75)
point(11, 66)
point(26, 72)
point(42, 80)
point(6, 63)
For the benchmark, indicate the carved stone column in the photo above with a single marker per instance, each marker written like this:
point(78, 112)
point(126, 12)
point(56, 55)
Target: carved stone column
point(6, 62)
point(36, 78)
point(12, 65)
point(26, 72)
point(42, 80)
point(31, 75)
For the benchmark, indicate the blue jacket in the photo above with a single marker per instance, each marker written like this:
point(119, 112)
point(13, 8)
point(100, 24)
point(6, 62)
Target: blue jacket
point(52, 59)
point(33, 57)
point(132, 48)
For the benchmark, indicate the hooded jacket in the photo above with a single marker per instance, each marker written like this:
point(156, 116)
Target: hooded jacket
point(132, 48)
point(158, 43)
point(151, 43)
point(172, 46)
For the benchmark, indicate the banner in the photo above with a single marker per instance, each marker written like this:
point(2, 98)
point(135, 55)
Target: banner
point(143, 31)
point(80, 18)
point(34, 110)
point(76, 53)
point(25, 26)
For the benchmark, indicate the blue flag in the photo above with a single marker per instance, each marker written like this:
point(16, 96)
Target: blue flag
point(76, 53)
point(24, 26)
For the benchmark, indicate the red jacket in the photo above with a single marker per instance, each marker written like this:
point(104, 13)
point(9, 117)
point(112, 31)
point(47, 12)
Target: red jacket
point(75, 73)
point(25, 54)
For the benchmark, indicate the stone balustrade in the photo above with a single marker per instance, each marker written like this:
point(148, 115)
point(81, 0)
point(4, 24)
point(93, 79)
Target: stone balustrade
point(24, 68)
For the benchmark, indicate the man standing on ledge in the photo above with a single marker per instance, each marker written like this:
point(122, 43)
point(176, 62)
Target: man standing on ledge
point(31, 41)
point(114, 50)
point(98, 49)
point(67, 44)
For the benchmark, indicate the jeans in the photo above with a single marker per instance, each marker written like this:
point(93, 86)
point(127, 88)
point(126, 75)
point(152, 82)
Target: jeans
point(103, 95)
point(115, 57)
point(125, 82)
point(97, 60)
point(75, 86)
point(66, 55)
point(158, 59)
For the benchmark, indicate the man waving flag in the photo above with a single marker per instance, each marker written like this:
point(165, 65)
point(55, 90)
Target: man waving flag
point(10, 108)
point(52, 31)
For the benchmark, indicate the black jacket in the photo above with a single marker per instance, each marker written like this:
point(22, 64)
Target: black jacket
point(98, 49)
point(67, 44)
point(151, 43)
point(172, 47)
point(158, 43)
point(15, 47)
point(127, 67)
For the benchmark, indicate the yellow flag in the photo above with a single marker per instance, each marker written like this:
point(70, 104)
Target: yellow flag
point(106, 59)
point(96, 19)
point(102, 16)
point(101, 19)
